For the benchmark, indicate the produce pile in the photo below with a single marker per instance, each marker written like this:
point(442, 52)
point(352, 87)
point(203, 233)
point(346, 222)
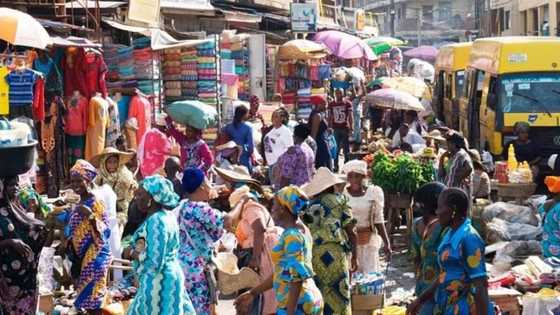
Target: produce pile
point(400, 173)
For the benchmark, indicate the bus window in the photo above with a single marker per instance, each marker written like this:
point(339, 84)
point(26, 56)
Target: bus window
point(529, 93)
point(448, 85)
point(459, 83)
point(492, 99)
point(467, 83)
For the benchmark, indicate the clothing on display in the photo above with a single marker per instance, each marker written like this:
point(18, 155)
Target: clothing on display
point(98, 119)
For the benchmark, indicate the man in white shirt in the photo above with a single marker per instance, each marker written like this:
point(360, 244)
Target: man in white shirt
point(279, 139)
point(407, 135)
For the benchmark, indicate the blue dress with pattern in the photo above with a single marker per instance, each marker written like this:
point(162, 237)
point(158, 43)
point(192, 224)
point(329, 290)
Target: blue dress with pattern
point(292, 262)
point(461, 260)
point(551, 231)
point(162, 289)
point(200, 227)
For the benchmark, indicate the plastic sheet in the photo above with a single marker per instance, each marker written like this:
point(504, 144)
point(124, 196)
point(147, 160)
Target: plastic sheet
point(542, 303)
point(499, 230)
point(511, 213)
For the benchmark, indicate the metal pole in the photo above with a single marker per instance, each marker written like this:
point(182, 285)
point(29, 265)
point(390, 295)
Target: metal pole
point(392, 12)
point(420, 17)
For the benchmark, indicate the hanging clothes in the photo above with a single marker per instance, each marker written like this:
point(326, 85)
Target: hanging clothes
point(140, 108)
point(113, 126)
point(53, 143)
point(4, 91)
point(39, 100)
point(73, 69)
point(21, 86)
point(95, 72)
point(98, 117)
point(76, 127)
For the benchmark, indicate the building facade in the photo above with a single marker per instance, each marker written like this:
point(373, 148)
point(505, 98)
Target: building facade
point(426, 21)
point(505, 19)
point(540, 17)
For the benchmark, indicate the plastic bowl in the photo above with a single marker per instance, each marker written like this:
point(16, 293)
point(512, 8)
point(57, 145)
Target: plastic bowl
point(17, 160)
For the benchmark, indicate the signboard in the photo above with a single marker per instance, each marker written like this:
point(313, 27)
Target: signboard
point(303, 17)
point(359, 20)
point(145, 11)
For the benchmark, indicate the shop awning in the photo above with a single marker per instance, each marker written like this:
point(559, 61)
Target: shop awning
point(193, 5)
point(240, 17)
point(73, 41)
point(160, 39)
point(91, 4)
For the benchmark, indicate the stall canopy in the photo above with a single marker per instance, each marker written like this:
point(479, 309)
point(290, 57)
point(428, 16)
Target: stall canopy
point(160, 39)
point(73, 42)
point(21, 29)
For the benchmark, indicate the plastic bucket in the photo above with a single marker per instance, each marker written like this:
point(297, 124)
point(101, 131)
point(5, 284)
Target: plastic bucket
point(16, 160)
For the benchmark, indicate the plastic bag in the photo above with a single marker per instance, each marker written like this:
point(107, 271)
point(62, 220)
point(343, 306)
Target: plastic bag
point(511, 213)
point(499, 230)
point(542, 303)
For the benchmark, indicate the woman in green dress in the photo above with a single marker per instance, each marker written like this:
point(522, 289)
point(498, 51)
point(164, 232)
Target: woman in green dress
point(425, 238)
point(332, 226)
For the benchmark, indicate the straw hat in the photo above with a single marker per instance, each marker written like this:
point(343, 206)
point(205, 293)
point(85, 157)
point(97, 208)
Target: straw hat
point(239, 194)
point(428, 153)
point(436, 135)
point(239, 174)
point(322, 180)
point(230, 278)
point(227, 145)
point(124, 157)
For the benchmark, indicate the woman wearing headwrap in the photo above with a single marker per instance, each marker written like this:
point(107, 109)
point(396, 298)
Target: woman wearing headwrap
point(256, 236)
point(156, 244)
point(200, 227)
point(21, 239)
point(550, 212)
point(366, 202)
point(295, 289)
point(111, 164)
point(88, 234)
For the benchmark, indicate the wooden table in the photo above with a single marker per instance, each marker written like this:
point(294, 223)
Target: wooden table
point(394, 204)
point(517, 192)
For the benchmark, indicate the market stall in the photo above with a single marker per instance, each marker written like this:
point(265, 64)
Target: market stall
point(302, 72)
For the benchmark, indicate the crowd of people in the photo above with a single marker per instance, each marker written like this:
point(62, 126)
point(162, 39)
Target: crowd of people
point(304, 225)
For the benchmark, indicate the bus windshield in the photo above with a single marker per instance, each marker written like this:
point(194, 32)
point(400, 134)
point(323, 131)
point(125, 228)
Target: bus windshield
point(529, 93)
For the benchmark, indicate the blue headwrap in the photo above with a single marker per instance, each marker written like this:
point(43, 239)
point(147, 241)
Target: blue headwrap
point(193, 177)
point(161, 189)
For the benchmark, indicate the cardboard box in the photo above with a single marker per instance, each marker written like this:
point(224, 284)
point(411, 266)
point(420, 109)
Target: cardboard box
point(366, 303)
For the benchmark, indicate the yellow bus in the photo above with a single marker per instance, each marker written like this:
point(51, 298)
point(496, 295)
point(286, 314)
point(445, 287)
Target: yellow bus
point(450, 66)
point(511, 79)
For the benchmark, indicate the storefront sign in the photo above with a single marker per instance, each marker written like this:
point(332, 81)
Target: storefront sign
point(359, 20)
point(303, 17)
point(145, 11)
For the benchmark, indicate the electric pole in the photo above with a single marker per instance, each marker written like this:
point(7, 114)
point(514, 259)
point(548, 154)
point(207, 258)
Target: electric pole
point(392, 12)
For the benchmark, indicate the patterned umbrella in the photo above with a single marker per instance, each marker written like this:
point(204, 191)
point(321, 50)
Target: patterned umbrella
point(413, 86)
point(301, 49)
point(344, 45)
point(426, 53)
point(21, 29)
point(394, 99)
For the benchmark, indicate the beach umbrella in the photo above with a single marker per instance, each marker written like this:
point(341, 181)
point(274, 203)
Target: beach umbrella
point(385, 39)
point(344, 46)
point(413, 86)
point(21, 29)
point(301, 49)
point(193, 113)
point(426, 53)
point(394, 99)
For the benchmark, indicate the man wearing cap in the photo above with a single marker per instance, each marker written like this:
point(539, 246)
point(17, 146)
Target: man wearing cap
point(341, 121)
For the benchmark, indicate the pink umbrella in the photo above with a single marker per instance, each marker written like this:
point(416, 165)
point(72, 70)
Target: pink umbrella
point(426, 53)
point(344, 45)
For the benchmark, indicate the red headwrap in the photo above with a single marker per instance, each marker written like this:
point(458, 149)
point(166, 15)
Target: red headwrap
point(318, 100)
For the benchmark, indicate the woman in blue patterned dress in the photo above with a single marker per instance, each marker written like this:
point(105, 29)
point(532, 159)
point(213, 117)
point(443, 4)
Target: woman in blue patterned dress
point(200, 227)
point(425, 238)
point(293, 271)
point(550, 212)
point(462, 286)
point(154, 251)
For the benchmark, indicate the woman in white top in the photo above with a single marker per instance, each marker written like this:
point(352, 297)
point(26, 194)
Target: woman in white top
point(279, 138)
point(366, 202)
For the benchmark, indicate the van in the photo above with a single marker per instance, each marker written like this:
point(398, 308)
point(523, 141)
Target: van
point(511, 79)
point(450, 66)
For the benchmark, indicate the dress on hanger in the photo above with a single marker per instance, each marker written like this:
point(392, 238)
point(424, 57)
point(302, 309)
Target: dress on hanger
point(113, 126)
point(95, 71)
point(76, 127)
point(140, 108)
point(98, 117)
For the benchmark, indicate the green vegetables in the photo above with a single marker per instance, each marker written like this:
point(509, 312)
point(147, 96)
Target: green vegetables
point(401, 174)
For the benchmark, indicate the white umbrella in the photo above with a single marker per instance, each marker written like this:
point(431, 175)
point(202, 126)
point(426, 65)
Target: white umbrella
point(21, 29)
point(394, 99)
